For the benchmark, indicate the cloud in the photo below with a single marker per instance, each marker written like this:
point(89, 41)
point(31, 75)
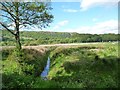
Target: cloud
point(35, 28)
point(60, 24)
point(11, 25)
point(70, 10)
point(110, 26)
point(86, 4)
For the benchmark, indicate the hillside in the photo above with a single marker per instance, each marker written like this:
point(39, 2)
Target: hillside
point(29, 38)
point(80, 66)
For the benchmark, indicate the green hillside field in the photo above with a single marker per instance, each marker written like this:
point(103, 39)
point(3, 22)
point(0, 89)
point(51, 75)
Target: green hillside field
point(81, 66)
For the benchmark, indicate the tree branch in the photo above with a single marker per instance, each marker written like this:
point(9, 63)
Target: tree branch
point(7, 17)
point(7, 11)
point(8, 3)
point(7, 28)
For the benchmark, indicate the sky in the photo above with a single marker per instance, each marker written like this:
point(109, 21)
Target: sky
point(84, 16)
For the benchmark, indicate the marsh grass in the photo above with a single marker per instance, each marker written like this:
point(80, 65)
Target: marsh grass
point(20, 70)
point(85, 66)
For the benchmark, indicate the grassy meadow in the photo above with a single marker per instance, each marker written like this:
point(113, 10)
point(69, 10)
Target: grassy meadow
point(59, 44)
point(81, 66)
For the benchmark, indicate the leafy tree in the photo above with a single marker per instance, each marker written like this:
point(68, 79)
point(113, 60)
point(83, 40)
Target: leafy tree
point(24, 14)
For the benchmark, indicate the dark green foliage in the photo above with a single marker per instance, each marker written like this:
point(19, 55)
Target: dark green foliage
point(35, 38)
point(5, 53)
point(39, 83)
point(17, 81)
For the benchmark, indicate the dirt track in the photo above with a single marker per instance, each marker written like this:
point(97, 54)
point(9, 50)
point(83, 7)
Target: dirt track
point(50, 45)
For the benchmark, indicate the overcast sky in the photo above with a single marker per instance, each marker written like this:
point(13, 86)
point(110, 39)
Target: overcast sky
point(84, 16)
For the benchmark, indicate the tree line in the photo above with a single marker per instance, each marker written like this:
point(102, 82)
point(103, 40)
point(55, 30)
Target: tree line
point(41, 37)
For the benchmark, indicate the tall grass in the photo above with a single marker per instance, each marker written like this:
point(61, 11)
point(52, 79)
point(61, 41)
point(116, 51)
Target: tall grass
point(21, 72)
point(86, 66)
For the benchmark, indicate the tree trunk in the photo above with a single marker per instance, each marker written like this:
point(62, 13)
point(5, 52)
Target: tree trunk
point(17, 35)
point(18, 44)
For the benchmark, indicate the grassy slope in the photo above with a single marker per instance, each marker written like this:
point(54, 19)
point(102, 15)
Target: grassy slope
point(90, 65)
point(87, 66)
point(22, 71)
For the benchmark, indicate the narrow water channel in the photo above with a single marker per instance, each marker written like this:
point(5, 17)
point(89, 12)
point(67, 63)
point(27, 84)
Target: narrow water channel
point(46, 70)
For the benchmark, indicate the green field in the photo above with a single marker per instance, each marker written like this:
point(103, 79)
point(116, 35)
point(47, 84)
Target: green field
point(80, 66)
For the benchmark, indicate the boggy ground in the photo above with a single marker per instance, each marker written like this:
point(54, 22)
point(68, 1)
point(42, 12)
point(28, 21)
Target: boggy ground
point(90, 66)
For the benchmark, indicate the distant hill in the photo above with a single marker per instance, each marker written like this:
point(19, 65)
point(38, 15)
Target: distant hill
point(41, 37)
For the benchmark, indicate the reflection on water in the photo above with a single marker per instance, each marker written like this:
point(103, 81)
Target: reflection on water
point(46, 70)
